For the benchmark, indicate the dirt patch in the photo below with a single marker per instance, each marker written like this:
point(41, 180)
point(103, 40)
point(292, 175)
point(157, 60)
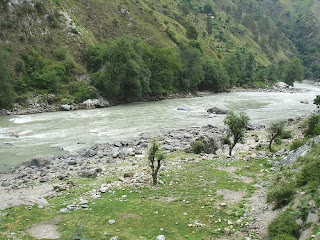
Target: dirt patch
point(25, 196)
point(230, 196)
point(232, 171)
point(45, 230)
point(166, 199)
point(260, 213)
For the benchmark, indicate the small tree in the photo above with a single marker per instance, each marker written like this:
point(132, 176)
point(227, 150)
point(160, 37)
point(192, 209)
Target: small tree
point(155, 157)
point(237, 126)
point(275, 130)
point(316, 101)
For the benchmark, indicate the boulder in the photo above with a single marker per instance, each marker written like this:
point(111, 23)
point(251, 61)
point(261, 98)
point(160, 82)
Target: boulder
point(128, 175)
point(217, 110)
point(5, 184)
point(90, 173)
point(282, 85)
point(66, 107)
point(211, 143)
point(183, 108)
point(95, 103)
point(39, 161)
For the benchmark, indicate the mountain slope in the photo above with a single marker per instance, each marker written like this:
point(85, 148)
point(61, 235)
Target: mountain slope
point(48, 40)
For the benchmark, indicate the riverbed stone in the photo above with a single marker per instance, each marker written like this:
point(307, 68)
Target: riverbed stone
point(39, 161)
point(217, 110)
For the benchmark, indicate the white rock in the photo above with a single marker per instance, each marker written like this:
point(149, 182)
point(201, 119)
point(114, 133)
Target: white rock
point(112, 221)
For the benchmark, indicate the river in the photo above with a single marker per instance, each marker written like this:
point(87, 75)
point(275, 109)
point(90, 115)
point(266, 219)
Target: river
point(23, 137)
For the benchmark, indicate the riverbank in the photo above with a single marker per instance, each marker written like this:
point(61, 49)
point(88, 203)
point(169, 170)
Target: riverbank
point(211, 194)
point(41, 104)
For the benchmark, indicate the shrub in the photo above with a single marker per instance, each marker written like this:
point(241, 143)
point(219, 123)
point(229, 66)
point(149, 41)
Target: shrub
point(281, 195)
point(310, 172)
point(296, 144)
point(286, 135)
point(284, 225)
point(198, 147)
point(40, 7)
point(313, 125)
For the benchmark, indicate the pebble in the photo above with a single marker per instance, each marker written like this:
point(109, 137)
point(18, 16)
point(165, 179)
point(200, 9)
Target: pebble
point(112, 221)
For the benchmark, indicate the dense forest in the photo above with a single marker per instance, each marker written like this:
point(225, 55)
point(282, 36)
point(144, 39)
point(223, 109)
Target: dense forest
point(69, 51)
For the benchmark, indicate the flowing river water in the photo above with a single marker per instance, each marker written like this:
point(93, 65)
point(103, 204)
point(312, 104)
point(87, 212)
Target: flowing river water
point(23, 137)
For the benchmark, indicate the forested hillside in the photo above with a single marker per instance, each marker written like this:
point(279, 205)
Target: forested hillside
point(300, 22)
point(128, 50)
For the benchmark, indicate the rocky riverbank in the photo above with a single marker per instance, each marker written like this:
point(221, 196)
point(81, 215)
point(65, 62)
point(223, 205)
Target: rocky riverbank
point(39, 104)
point(49, 177)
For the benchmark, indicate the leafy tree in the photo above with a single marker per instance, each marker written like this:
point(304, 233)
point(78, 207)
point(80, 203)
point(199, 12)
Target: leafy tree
point(209, 25)
point(123, 75)
point(215, 76)
point(293, 72)
point(7, 93)
point(155, 158)
point(237, 125)
point(192, 73)
point(208, 9)
point(275, 130)
point(192, 32)
point(232, 67)
point(164, 65)
point(316, 101)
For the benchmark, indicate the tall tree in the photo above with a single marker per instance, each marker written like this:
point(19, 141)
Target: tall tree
point(293, 72)
point(6, 80)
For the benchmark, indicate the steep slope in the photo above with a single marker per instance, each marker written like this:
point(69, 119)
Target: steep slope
point(48, 40)
point(300, 21)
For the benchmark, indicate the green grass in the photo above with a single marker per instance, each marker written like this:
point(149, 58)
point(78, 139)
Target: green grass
point(187, 196)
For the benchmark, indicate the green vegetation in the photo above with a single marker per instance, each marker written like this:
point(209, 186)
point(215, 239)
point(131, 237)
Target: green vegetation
point(155, 158)
point(181, 46)
point(303, 176)
point(284, 227)
point(7, 94)
point(316, 101)
point(281, 195)
point(185, 206)
point(296, 144)
point(275, 130)
point(313, 125)
point(198, 147)
point(293, 72)
point(237, 125)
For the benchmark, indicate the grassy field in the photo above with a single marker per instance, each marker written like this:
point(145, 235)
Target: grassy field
point(185, 206)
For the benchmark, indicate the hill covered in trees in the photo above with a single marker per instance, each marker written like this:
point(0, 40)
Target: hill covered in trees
point(128, 50)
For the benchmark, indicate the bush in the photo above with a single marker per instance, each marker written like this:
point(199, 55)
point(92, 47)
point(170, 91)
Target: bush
point(310, 172)
point(296, 144)
point(198, 147)
point(281, 195)
point(286, 135)
point(284, 225)
point(313, 125)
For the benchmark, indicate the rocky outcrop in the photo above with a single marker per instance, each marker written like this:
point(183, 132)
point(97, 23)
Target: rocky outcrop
point(300, 152)
point(94, 103)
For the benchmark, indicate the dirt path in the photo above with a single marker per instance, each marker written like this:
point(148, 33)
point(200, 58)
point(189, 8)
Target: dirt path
point(25, 196)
